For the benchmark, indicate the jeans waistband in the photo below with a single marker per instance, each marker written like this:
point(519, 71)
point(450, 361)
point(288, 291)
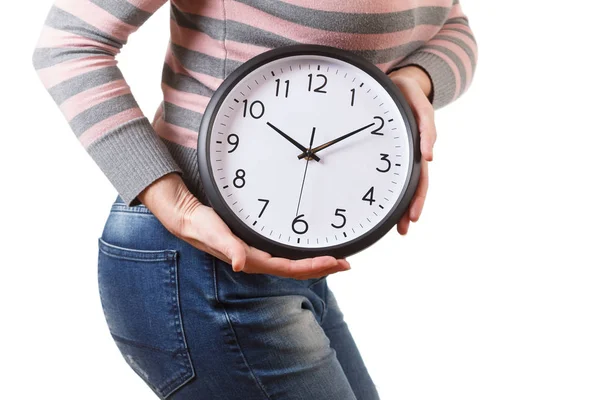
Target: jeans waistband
point(120, 205)
point(119, 200)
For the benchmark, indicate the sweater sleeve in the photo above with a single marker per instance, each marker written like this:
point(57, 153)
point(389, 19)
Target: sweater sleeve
point(75, 60)
point(449, 58)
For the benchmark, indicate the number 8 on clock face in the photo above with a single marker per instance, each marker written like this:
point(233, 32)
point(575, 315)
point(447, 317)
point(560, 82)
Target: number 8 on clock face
point(308, 150)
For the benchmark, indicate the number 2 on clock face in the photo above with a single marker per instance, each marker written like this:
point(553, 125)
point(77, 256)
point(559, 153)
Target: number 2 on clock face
point(258, 151)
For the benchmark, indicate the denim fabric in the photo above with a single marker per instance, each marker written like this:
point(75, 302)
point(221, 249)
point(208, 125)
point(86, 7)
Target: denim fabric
point(192, 328)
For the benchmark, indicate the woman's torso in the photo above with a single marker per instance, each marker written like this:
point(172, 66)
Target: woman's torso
point(211, 38)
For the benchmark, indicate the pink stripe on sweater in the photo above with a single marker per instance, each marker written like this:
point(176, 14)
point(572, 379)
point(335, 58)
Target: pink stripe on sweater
point(182, 136)
point(303, 34)
point(99, 129)
point(52, 76)
point(97, 17)
point(385, 67)
point(147, 5)
point(452, 66)
point(468, 41)
point(241, 51)
point(55, 38)
point(91, 97)
point(456, 12)
point(202, 43)
point(459, 52)
point(190, 101)
point(196, 41)
point(369, 7)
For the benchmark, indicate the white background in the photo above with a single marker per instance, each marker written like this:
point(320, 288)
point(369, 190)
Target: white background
point(493, 294)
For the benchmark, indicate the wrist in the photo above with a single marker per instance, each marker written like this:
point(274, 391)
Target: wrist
point(169, 199)
point(417, 74)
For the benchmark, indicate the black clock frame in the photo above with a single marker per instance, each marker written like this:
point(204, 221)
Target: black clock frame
point(277, 249)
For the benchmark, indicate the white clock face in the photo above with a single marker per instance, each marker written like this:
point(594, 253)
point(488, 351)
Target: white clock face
point(302, 102)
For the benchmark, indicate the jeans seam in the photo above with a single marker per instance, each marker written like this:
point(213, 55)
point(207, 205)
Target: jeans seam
point(325, 303)
point(256, 380)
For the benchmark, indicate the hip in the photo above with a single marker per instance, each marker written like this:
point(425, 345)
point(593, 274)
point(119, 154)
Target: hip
point(173, 310)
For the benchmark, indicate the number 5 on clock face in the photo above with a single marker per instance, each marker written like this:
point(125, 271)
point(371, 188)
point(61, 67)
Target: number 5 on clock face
point(308, 154)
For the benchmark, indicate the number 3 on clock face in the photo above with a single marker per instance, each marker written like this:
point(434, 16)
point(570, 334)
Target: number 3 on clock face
point(309, 150)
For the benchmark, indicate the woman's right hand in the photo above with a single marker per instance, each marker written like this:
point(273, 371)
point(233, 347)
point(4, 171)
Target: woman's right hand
point(184, 216)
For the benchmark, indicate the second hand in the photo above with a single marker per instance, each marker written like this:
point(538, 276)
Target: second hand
point(312, 137)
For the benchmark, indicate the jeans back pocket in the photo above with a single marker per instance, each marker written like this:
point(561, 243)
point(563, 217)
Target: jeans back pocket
point(139, 293)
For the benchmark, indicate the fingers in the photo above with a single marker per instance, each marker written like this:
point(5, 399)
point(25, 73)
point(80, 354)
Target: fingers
point(423, 110)
point(402, 225)
point(217, 239)
point(418, 201)
point(344, 263)
point(426, 123)
point(261, 262)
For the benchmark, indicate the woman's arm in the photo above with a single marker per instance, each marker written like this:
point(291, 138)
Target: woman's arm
point(75, 60)
point(449, 58)
point(432, 77)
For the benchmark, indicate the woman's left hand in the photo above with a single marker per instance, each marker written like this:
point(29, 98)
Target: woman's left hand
point(416, 86)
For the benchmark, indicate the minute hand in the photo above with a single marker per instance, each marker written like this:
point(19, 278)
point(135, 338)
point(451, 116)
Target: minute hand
point(334, 141)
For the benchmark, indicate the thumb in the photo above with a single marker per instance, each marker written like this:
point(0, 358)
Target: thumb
point(235, 251)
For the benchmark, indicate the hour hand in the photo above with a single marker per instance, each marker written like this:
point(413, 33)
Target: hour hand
point(292, 141)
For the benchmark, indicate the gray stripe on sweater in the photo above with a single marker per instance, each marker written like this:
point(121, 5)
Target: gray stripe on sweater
point(64, 21)
point(203, 63)
point(182, 117)
point(210, 26)
point(351, 22)
point(124, 11)
point(386, 55)
point(79, 83)
point(458, 20)
point(91, 116)
point(45, 57)
point(236, 31)
point(462, 45)
point(464, 32)
point(184, 83)
point(456, 60)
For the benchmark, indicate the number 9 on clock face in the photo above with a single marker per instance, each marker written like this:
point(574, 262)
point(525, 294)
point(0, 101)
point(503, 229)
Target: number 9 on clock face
point(308, 150)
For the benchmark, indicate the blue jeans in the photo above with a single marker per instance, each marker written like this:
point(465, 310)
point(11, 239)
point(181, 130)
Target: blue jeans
point(192, 328)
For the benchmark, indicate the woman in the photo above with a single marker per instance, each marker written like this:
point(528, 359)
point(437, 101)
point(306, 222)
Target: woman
point(183, 316)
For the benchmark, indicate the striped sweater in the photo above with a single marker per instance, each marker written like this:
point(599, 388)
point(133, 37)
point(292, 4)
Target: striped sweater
point(75, 60)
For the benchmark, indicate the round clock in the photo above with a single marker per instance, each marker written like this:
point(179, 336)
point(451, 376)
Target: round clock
point(309, 150)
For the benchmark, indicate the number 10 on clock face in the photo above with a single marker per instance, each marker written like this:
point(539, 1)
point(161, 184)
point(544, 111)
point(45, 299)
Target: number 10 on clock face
point(308, 152)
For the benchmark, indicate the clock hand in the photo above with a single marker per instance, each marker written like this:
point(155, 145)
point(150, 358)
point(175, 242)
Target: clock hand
point(312, 137)
point(292, 141)
point(332, 142)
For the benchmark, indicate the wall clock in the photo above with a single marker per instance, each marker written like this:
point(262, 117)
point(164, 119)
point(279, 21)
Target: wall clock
point(309, 150)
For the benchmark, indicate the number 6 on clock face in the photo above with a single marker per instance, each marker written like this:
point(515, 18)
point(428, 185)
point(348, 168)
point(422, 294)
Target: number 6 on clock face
point(309, 150)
